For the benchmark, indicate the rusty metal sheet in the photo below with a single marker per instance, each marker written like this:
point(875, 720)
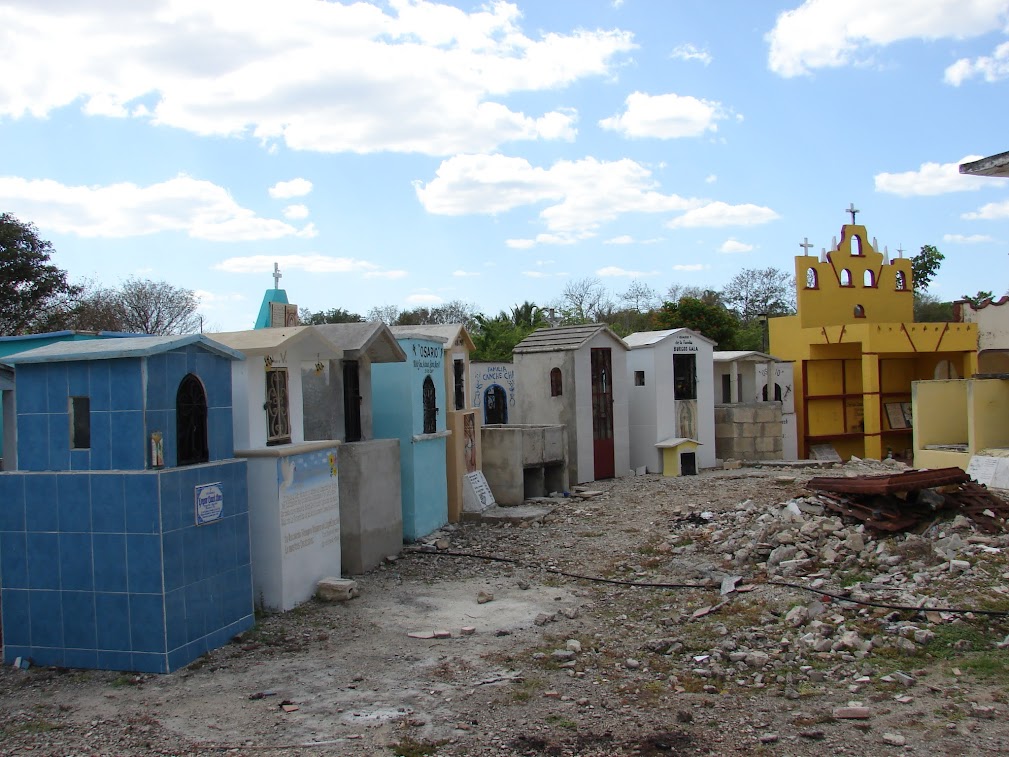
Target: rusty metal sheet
point(913, 480)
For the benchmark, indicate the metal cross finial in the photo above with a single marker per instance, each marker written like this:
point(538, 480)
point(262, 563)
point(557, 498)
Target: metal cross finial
point(900, 250)
point(276, 276)
point(851, 209)
point(805, 245)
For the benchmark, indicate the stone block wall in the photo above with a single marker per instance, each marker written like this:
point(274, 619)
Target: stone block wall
point(751, 431)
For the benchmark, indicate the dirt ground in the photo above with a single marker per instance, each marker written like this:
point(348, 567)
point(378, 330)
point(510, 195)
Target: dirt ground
point(556, 665)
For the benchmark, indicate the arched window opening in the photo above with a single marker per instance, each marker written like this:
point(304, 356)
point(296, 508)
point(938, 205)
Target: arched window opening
point(856, 245)
point(859, 311)
point(868, 279)
point(901, 282)
point(811, 280)
point(430, 407)
point(191, 422)
point(556, 384)
point(495, 405)
point(845, 277)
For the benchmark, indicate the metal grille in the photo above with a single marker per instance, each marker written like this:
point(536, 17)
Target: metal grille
point(430, 407)
point(278, 411)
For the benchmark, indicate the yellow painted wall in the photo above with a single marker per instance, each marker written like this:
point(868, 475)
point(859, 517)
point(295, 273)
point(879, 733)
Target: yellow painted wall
point(942, 413)
point(988, 400)
point(671, 457)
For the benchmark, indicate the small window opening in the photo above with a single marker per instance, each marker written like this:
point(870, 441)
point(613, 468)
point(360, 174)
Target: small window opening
point(556, 384)
point(685, 377)
point(80, 423)
point(901, 282)
point(726, 388)
point(868, 279)
point(845, 277)
point(859, 311)
point(639, 378)
point(811, 279)
point(856, 245)
point(430, 407)
point(459, 366)
point(191, 422)
point(278, 410)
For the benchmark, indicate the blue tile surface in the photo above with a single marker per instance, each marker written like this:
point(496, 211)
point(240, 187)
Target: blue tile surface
point(143, 558)
point(57, 388)
point(108, 503)
point(112, 614)
point(80, 658)
point(126, 384)
point(79, 629)
point(76, 570)
point(101, 440)
point(33, 442)
point(150, 663)
point(174, 559)
point(101, 391)
point(41, 502)
point(59, 442)
point(128, 442)
point(32, 389)
point(74, 493)
point(175, 619)
point(43, 560)
point(47, 656)
point(16, 617)
point(13, 560)
point(193, 554)
point(110, 562)
point(47, 618)
point(147, 622)
point(12, 502)
point(80, 459)
point(115, 660)
point(142, 506)
point(157, 384)
point(171, 517)
point(78, 379)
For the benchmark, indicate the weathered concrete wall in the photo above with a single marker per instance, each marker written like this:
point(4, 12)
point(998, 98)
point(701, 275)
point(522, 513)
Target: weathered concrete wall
point(371, 516)
point(510, 451)
point(750, 431)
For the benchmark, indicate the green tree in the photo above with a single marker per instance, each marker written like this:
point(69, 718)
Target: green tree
point(759, 291)
point(34, 293)
point(978, 298)
point(930, 309)
point(333, 315)
point(713, 321)
point(924, 267)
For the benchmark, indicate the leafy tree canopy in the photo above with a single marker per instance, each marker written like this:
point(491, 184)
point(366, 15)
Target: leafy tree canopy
point(333, 315)
point(924, 267)
point(713, 321)
point(33, 291)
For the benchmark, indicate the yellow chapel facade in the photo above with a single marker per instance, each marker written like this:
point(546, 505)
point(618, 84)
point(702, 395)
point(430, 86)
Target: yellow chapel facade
point(857, 348)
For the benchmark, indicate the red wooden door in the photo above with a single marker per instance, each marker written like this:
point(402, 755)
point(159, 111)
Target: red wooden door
point(602, 413)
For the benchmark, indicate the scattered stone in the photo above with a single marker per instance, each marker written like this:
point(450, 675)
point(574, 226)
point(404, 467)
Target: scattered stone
point(630, 663)
point(852, 713)
point(768, 738)
point(543, 618)
point(336, 589)
point(569, 612)
point(420, 635)
point(563, 655)
point(814, 735)
point(684, 716)
point(894, 739)
point(467, 630)
point(440, 634)
point(484, 597)
point(574, 645)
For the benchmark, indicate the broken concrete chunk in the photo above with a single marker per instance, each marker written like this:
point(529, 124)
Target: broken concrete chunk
point(484, 597)
point(852, 713)
point(336, 589)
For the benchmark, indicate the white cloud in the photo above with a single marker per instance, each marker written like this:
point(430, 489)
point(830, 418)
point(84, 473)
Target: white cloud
point(424, 299)
point(544, 262)
point(933, 179)
point(622, 239)
point(691, 52)
point(285, 190)
point(716, 214)
point(689, 267)
point(665, 116)
point(199, 209)
point(579, 195)
point(612, 271)
point(295, 212)
point(992, 68)
point(215, 301)
point(828, 34)
point(543, 274)
point(465, 274)
point(311, 263)
point(710, 179)
point(404, 76)
point(734, 245)
point(993, 211)
point(966, 239)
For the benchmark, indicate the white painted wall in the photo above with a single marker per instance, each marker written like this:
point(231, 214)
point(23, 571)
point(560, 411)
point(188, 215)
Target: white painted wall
point(642, 411)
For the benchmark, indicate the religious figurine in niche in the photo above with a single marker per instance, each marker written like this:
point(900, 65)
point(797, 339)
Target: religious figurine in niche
point(157, 450)
point(469, 434)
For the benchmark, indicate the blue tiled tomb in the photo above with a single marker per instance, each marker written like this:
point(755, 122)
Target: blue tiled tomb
point(119, 551)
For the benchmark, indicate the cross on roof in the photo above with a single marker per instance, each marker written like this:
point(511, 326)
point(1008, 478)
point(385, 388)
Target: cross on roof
point(851, 209)
point(900, 250)
point(805, 245)
point(276, 276)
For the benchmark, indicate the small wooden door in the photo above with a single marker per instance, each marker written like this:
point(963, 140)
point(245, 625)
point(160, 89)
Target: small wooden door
point(602, 413)
point(351, 401)
point(495, 405)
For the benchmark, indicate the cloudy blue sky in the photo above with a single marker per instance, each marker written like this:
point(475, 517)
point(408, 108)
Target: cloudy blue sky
point(404, 152)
